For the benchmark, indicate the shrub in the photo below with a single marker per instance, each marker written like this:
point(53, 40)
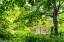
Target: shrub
point(5, 34)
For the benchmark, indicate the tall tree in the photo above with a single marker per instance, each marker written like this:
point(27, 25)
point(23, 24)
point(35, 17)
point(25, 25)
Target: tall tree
point(50, 5)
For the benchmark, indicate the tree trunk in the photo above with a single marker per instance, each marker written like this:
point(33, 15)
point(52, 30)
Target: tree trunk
point(55, 22)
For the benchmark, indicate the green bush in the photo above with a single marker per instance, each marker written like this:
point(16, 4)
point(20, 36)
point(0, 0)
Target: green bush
point(26, 36)
point(36, 38)
point(5, 34)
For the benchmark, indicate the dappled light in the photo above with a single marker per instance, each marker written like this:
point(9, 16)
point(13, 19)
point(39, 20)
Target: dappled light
point(31, 20)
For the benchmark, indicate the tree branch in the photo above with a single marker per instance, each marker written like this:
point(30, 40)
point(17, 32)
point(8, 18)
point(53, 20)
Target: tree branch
point(47, 14)
point(58, 6)
point(61, 12)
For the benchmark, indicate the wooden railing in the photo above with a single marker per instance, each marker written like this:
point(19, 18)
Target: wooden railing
point(40, 30)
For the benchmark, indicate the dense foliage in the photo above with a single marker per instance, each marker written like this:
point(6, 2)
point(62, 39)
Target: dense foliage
point(19, 20)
